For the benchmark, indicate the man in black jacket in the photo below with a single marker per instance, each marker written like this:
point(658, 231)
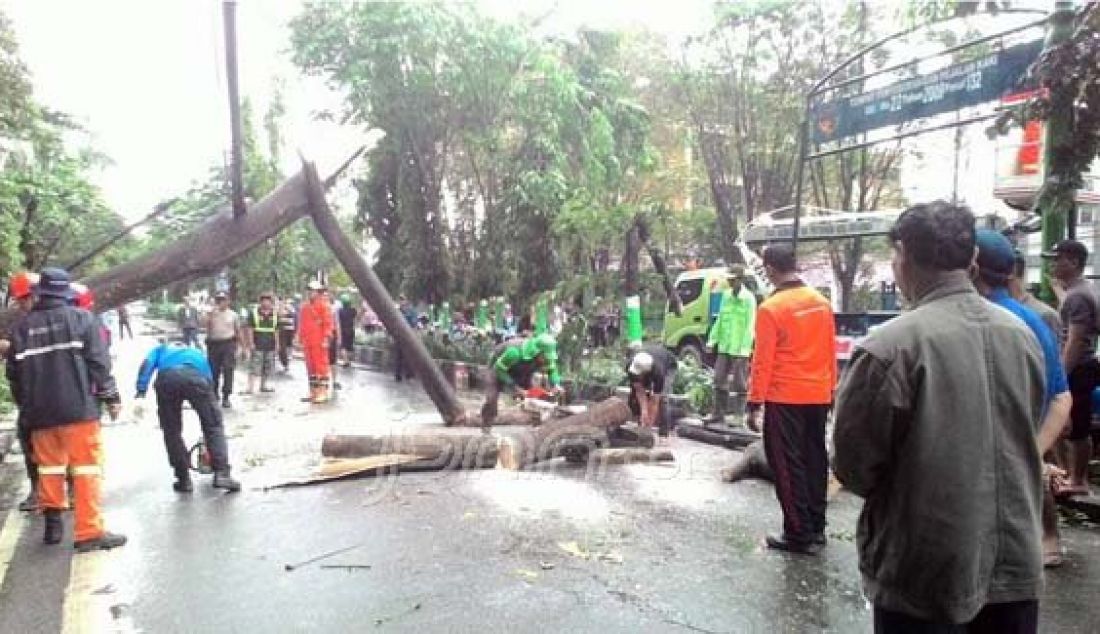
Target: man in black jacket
point(60, 373)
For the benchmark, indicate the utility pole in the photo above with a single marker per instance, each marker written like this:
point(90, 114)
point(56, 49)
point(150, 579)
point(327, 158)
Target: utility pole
point(236, 179)
point(1061, 207)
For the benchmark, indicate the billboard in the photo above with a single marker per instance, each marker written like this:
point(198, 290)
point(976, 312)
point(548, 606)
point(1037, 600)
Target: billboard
point(985, 79)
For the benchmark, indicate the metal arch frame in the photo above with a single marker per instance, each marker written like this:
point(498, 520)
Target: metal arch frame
point(819, 88)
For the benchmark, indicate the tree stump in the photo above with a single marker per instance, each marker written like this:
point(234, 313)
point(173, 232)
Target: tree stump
point(582, 432)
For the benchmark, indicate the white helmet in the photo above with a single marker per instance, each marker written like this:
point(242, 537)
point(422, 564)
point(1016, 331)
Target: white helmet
point(642, 363)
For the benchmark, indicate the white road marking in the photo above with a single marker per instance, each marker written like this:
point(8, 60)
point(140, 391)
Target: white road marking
point(9, 538)
point(95, 598)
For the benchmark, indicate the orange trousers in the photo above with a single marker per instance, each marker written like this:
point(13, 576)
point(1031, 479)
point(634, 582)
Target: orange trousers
point(316, 354)
point(74, 448)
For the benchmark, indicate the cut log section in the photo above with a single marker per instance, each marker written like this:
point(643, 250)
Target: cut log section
point(720, 435)
point(583, 432)
point(630, 455)
point(513, 416)
point(632, 436)
point(436, 452)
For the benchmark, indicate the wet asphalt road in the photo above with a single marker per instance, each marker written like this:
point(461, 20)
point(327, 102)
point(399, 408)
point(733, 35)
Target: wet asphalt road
point(628, 549)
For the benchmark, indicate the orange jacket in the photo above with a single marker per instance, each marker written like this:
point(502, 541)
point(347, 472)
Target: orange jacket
point(795, 357)
point(315, 323)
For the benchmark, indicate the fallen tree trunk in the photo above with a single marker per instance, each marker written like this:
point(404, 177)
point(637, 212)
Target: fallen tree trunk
point(629, 455)
point(204, 250)
point(438, 452)
point(372, 290)
point(724, 436)
point(578, 433)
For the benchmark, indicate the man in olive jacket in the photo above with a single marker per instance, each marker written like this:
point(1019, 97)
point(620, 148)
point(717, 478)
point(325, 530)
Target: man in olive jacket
point(936, 420)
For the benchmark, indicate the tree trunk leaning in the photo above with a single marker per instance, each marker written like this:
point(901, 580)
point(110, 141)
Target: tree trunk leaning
point(372, 289)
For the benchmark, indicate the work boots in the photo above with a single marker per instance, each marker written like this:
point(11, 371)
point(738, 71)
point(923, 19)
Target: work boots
point(106, 541)
point(721, 398)
point(183, 483)
point(222, 480)
point(54, 527)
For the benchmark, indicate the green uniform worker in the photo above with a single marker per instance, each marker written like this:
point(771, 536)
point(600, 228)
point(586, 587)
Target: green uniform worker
point(513, 365)
point(731, 340)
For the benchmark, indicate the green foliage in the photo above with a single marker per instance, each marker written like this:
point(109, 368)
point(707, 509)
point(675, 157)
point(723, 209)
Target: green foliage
point(518, 128)
point(1070, 74)
point(282, 263)
point(162, 310)
point(50, 212)
point(697, 384)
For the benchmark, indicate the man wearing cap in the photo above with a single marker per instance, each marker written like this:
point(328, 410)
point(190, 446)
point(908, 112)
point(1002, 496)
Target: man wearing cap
point(60, 375)
point(21, 292)
point(731, 340)
point(261, 339)
point(183, 374)
point(793, 377)
point(512, 367)
point(1080, 312)
point(651, 373)
point(315, 331)
point(996, 266)
point(223, 331)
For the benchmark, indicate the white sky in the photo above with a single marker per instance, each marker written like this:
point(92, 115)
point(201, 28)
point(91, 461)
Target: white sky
point(147, 78)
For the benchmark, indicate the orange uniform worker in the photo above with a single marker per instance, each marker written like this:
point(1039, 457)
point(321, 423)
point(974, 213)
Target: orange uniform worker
point(60, 374)
point(21, 292)
point(793, 378)
point(316, 328)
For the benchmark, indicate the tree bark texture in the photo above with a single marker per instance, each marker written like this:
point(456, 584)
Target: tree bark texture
point(379, 299)
point(442, 450)
point(587, 430)
point(201, 252)
point(715, 161)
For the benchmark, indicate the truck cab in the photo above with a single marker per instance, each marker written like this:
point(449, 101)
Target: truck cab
point(686, 333)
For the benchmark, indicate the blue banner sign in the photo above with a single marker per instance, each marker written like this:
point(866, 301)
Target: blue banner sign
point(987, 78)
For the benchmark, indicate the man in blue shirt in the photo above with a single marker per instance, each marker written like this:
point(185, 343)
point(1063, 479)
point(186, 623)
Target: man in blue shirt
point(996, 265)
point(183, 374)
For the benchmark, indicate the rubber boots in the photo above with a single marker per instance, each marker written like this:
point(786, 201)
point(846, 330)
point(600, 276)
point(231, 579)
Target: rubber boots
point(721, 398)
point(54, 527)
point(183, 483)
point(222, 480)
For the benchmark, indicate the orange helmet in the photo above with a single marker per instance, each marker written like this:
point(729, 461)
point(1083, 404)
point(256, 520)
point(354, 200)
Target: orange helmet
point(22, 284)
point(83, 297)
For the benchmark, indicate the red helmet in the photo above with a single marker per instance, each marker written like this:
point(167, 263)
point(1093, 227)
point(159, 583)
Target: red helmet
point(83, 297)
point(22, 284)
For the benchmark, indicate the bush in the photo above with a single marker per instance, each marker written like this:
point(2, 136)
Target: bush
point(6, 403)
point(162, 310)
point(697, 384)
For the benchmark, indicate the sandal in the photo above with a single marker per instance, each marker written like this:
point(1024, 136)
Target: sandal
point(1052, 560)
